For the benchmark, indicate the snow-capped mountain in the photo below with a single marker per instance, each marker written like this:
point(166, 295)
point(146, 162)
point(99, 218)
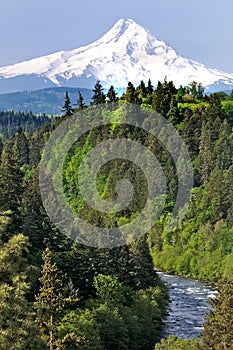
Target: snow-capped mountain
point(127, 52)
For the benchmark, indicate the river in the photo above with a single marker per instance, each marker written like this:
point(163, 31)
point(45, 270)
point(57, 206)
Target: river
point(189, 304)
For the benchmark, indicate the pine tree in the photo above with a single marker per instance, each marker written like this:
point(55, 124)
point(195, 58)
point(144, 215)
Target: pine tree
point(218, 326)
point(205, 158)
point(17, 326)
point(173, 113)
point(162, 97)
point(11, 184)
point(112, 95)
point(200, 92)
point(51, 301)
point(36, 223)
point(21, 144)
point(140, 92)
point(67, 109)
point(193, 90)
point(80, 101)
point(36, 144)
point(130, 93)
point(98, 96)
point(149, 88)
point(223, 147)
point(215, 107)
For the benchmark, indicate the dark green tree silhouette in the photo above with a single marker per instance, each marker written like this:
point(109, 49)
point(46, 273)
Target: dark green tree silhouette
point(149, 88)
point(130, 93)
point(67, 109)
point(112, 95)
point(80, 101)
point(12, 185)
point(162, 97)
point(98, 96)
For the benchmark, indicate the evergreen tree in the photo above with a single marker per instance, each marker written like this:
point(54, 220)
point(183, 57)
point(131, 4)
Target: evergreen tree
point(173, 113)
point(193, 90)
point(215, 107)
point(140, 92)
point(112, 95)
point(80, 102)
point(98, 96)
point(223, 147)
point(36, 223)
point(130, 93)
point(162, 97)
point(36, 143)
point(52, 302)
point(22, 146)
point(218, 326)
point(191, 131)
point(149, 88)
point(200, 92)
point(11, 184)
point(205, 158)
point(17, 326)
point(67, 109)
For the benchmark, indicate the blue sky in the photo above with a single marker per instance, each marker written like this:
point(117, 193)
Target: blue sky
point(200, 29)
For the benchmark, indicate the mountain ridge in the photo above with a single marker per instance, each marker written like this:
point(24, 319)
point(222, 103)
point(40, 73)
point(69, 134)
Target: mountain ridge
point(127, 52)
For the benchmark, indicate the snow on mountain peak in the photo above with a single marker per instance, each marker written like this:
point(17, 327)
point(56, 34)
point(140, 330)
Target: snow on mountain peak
point(127, 52)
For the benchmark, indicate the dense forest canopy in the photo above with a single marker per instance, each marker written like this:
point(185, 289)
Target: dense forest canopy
point(58, 294)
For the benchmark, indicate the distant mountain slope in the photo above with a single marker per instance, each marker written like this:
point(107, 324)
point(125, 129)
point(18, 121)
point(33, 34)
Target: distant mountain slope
point(127, 52)
point(48, 101)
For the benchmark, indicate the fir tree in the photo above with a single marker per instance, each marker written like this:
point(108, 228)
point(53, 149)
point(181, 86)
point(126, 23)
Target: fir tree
point(223, 147)
point(140, 92)
point(130, 93)
point(200, 92)
point(205, 158)
point(162, 97)
point(49, 302)
point(215, 107)
point(80, 101)
point(218, 326)
point(17, 326)
point(53, 300)
point(67, 109)
point(112, 95)
point(149, 88)
point(98, 96)
point(11, 184)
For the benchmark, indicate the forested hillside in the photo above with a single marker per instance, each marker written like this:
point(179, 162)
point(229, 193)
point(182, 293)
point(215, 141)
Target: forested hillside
point(11, 121)
point(58, 294)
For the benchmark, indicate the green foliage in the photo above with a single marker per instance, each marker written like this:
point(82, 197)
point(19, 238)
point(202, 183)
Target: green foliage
point(130, 93)
point(80, 101)
point(121, 300)
point(11, 122)
point(51, 300)
point(118, 318)
point(218, 326)
point(18, 330)
point(175, 343)
point(67, 109)
point(112, 95)
point(163, 96)
point(98, 96)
